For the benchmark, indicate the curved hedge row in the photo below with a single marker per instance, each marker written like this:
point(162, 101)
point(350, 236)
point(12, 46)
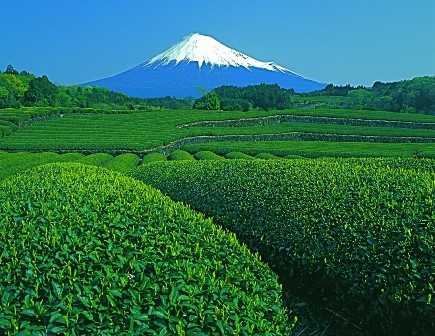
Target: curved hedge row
point(14, 163)
point(277, 119)
point(267, 156)
point(180, 155)
point(175, 145)
point(84, 250)
point(207, 155)
point(362, 238)
point(123, 163)
point(238, 155)
point(152, 157)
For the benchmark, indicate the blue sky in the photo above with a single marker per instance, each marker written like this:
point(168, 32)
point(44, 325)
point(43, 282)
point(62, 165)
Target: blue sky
point(336, 41)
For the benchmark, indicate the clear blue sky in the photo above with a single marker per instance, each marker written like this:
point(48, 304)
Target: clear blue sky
point(353, 42)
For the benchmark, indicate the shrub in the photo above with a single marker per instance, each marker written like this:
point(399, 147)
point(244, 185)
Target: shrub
point(266, 156)
point(180, 155)
point(97, 159)
point(153, 157)
point(358, 235)
point(207, 155)
point(238, 155)
point(123, 163)
point(88, 251)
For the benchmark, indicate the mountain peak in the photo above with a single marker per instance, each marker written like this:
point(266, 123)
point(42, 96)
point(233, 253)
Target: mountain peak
point(206, 50)
point(200, 61)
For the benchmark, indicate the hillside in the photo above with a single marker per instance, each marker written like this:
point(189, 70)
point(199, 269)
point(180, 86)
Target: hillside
point(330, 132)
point(309, 216)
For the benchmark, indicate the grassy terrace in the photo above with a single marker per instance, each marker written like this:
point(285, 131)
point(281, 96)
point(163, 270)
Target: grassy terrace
point(143, 130)
point(317, 148)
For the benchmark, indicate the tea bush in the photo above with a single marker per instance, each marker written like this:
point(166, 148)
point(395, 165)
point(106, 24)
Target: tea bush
point(180, 155)
point(14, 163)
point(238, 155)
point(267, 156)
point(123, 163)
point(360, 236)
point(85, 250)
point(207, 155)
point(152, 157)
point(97, 159)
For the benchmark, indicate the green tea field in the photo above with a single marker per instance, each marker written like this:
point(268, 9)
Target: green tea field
point(186, 222)
point(141, 132)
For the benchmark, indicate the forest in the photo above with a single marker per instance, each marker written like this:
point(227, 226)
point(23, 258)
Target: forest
point(410, 96)
point(19, 89)
point(232, 98)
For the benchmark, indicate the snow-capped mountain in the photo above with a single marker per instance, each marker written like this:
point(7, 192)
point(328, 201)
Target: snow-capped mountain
point(200, 63)
point(206, 50)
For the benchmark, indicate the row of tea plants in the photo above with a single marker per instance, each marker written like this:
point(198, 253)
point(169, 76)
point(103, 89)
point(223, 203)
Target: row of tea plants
point(358, 234)
point(84, 250)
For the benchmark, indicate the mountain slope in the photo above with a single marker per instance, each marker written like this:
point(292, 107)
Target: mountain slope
point(201, 63)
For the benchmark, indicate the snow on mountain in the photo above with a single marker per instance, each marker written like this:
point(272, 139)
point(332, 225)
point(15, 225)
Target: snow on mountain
point(206, 50)
point(201, 63)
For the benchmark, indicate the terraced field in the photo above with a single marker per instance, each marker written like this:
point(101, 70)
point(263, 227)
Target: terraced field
point(317, 148)
point(16, 163)
point(352, 239)
point(166, 131)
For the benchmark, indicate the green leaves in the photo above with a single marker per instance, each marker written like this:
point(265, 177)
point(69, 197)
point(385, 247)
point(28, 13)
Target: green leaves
point(114, 256)
point(359, 232)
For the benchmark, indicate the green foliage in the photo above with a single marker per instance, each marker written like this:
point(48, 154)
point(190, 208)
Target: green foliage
point(18, 89)
point(238, 155)
point(207, 155)
point(332, 90)
point(14, 163)
point(10, 70)
point(293, 156)
point(358, 234)
point(97, 159)
point(180, 155)
point(266, 156)
point(210, 101)
point(315, 149)
point(261, 96)
point(123, 163)
point(41, 92)
point(87, 251)
point(153, 157)
point(13, 87)
point(94, 130)
point(410, 96)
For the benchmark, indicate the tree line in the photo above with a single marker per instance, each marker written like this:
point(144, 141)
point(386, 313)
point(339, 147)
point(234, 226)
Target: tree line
point(24, 89)
point(410, 96)
point(232, 98)
point(416, 95)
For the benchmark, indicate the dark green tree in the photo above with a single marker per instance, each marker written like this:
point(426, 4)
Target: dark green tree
point(263, 96)
point(210, 101)
point(41, 92)
point(10, 70)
